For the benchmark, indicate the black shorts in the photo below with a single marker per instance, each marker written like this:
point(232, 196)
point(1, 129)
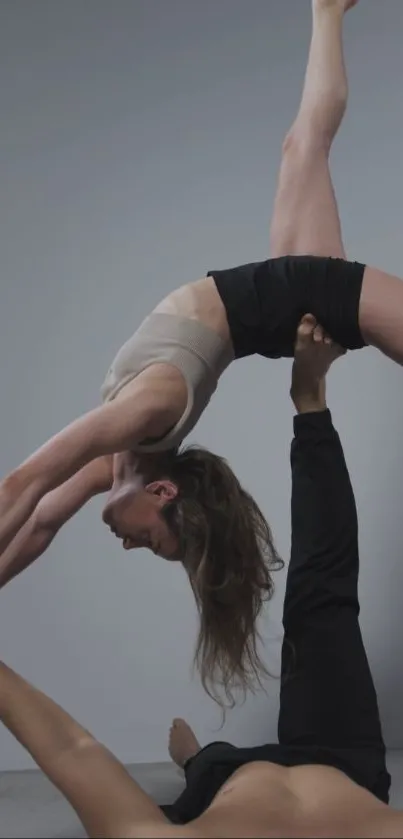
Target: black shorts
point(265, 301)
point(328, 706)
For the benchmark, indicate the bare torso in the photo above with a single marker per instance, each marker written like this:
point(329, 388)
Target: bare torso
point(267, 800)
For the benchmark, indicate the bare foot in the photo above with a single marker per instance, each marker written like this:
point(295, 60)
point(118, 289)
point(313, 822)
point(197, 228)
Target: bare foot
point(182, 742)
point(315, 352)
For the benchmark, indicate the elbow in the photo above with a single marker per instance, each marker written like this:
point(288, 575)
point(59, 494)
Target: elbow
point(70, 763)
point(43, 529)
point(80, 745)
point(47, 519)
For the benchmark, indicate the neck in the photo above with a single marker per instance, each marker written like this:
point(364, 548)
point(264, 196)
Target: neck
point(145, 465)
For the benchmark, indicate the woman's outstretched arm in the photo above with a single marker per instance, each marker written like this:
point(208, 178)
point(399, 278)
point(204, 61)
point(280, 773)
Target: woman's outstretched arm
point(106, 799)
point(147, 408)
point(52, 512)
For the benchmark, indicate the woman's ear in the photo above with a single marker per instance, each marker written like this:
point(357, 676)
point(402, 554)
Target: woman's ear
point(165, 490)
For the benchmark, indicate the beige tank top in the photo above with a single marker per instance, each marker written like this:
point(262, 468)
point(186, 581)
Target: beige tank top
point(200, 354)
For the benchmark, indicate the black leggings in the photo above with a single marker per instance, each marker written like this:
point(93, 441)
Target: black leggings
point(328, 706)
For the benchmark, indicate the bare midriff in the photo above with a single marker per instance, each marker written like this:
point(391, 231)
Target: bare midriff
point(200, 301)
point(266, 800)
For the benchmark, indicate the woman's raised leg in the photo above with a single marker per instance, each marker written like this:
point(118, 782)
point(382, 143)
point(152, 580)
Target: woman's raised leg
point(305, 216)
point(381, 312)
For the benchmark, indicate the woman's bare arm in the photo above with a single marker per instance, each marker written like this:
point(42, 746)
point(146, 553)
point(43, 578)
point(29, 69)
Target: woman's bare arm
point(104, 796)
point(147, 408)
point(52, 512)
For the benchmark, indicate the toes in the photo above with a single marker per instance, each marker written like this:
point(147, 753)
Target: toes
point(310, 329)
point(305, 330)
point(318, 334)
point(307, 325)
point(322, 337)
point(174, 727)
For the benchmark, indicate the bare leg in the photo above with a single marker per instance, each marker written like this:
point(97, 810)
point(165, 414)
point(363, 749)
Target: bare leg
point(381, 313)
point(305, 217)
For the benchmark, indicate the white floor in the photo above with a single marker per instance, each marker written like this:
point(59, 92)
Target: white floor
point(30, 808)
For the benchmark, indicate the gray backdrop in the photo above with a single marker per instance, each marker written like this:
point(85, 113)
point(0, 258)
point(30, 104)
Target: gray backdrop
point(139, 147)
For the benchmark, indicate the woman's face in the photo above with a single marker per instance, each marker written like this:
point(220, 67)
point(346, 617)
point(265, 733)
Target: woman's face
point(133, 511)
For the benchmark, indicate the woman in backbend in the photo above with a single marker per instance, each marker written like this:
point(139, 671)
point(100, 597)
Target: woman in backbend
point(188, 505)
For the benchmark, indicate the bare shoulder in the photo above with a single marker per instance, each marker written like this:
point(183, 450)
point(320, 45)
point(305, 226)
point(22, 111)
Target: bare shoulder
point(160, 393)
point(161, 382)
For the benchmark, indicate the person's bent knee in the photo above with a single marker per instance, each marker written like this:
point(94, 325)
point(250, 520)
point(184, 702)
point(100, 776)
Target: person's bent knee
point(300, 143)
